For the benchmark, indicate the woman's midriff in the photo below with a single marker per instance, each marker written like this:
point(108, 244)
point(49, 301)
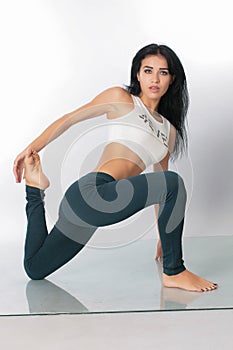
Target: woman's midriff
point(120, 162)
point(120, 169)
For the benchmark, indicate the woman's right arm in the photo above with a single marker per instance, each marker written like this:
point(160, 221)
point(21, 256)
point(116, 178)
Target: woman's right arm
point(101, 104)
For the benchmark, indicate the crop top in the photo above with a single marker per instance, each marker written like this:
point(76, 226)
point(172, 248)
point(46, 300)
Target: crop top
point(141, 132)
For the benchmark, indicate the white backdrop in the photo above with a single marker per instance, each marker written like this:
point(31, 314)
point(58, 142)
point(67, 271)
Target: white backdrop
point(58, 54)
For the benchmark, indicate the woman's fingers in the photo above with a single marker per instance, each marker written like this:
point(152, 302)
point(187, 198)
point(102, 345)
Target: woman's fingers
point(18, 168)
point(17, 172)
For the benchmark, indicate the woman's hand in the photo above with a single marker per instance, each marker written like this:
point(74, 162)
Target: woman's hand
point(19, 166)
point(159, 252)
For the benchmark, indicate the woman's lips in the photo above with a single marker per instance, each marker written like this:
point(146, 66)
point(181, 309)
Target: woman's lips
point(154, 88)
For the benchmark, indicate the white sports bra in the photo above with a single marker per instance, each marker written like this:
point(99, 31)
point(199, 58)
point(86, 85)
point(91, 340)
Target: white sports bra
point(141, 133)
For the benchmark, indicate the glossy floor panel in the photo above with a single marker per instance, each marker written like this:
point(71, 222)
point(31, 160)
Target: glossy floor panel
point(125, 279)
point(202, 330)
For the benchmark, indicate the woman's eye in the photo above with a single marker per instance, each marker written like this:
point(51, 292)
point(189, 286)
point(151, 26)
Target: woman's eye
point(147, 71)
point(164, 72)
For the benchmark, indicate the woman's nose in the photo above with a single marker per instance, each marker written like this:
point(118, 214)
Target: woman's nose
point(155, 77)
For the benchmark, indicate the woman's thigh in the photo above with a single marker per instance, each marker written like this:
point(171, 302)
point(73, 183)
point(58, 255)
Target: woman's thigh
point(98, 200)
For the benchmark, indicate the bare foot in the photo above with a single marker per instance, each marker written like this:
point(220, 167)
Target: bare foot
point(188, 281)
point(33, 173)
point(159, 252)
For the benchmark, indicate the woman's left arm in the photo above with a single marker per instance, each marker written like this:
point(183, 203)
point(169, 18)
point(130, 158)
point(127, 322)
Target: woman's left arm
point(163, 166)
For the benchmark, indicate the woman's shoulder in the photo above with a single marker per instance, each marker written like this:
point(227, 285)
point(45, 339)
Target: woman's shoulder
point(118, 92)
point(113, 95)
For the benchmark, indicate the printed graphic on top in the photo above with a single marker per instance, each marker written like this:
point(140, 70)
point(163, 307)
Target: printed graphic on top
point(158, 133)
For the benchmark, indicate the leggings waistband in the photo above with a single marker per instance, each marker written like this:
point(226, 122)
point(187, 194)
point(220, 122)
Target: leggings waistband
point(99, 175)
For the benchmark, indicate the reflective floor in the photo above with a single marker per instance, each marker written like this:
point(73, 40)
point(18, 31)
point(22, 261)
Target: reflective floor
point(125, 279)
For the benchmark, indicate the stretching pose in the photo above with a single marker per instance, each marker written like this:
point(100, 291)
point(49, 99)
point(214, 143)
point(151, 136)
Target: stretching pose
point(146, 125)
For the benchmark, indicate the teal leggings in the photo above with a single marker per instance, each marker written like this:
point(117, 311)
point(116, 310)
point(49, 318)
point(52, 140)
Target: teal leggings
point(96, 200)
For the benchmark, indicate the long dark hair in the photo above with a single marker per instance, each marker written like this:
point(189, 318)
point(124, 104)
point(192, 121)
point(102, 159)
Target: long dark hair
point(174, 104)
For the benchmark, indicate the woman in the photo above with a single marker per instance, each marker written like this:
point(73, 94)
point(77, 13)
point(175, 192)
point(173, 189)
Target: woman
point(146, 126)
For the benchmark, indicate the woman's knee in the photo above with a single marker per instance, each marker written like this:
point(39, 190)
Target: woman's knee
point(175, 184)
point(32, 273)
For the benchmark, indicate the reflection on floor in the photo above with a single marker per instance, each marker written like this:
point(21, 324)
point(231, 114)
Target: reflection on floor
point(125, 279)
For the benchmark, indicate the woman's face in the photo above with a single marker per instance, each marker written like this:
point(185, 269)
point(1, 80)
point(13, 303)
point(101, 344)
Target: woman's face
point(154, 77)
